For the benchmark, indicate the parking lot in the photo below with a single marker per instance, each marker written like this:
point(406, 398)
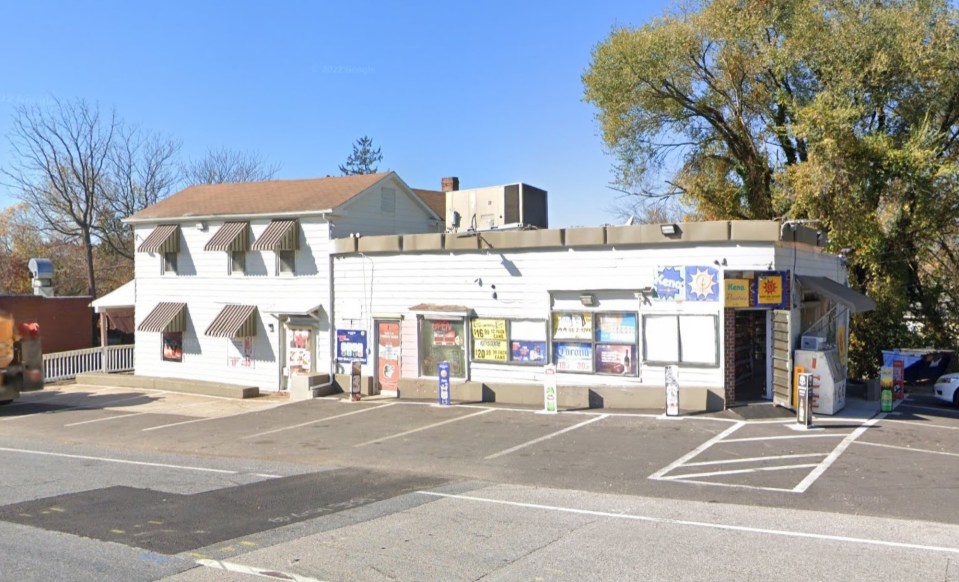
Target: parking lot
point(898, 464)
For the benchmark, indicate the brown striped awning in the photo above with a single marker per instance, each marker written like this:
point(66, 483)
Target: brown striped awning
point(164, 239)
point(165, 317)
point(234, 321)
point(232, 236)
point(280, 235)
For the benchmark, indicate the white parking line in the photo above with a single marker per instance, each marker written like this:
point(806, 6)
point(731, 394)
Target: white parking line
point(840, 448)
point(940, 409)
point(128, 462)
point(754, 459)
point(204, 419)
point(695, 452)
point(252, 571)
point(922, 424)
point(702, 524)
point(741, 471)
point(114, 417)
point(88, 406)
point(324, 419)
point(546, 437)
point(422, 428)
point(908, 449)
point(782, 438)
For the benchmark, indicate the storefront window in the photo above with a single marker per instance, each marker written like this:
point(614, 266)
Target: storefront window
point(681, 339)
point(518, 341)
point(442, 340)
point(610, 345)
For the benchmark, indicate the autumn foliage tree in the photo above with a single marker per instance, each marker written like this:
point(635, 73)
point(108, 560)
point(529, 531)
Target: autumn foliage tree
point(840, 111)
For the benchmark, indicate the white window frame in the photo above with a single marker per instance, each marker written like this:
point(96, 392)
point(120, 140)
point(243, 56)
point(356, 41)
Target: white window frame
point(680, 360)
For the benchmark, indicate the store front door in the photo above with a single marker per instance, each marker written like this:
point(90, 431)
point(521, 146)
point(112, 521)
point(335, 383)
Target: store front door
point(751, 355)
point(388, 356)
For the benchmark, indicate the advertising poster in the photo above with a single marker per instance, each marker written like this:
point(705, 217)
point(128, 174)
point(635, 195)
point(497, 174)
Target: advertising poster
point(898, 379)
point(616, 327)
point(173, 346)
point(669, 284)
point(241, 353)
point(388, 354)
point(524, 351)
point(702, 284)
point(572, 326)
point(445, 333)
point(299, 359)
point(573, 357)
point(351, 345)
point(493, 329)
point(491, 350)
point(616, 359)
point(737, 292)
point(770, 290)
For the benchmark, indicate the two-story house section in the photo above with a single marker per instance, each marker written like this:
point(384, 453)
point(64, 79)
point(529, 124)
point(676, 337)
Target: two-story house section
point(233, 280)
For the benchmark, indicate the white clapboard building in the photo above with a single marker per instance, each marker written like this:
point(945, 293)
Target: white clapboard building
point(724, 304)
point(233, 281)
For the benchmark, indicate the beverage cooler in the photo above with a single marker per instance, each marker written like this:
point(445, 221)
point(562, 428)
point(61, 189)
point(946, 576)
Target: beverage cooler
point(829, 378)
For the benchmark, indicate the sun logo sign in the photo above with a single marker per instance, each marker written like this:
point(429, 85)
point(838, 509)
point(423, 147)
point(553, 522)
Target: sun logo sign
point(702, 284)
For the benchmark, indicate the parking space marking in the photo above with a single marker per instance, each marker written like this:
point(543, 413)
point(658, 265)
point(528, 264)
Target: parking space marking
point(129, 462)
point(701, 524)
point(206, 418)
point(840, 448)
point(114, 417)
point(696, 452)
point(309, 422)
point(908, 449)
point(753, 459)
point(932, 408)
point(782, 438)
point(741, 471)
point(98, 406)
point(546, 437)
point(422, 428)
point(922, 424)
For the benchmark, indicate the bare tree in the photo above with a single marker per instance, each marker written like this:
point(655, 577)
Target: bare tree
point(227, 165)
point(142, 172)
point(62, 159)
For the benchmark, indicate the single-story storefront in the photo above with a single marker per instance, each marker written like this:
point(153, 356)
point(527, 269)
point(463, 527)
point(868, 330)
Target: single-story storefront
point(724, 303)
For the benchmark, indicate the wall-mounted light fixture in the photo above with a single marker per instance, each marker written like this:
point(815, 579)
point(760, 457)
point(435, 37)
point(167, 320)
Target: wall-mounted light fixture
point(669, 229)
point(270, 325)
point(587, 300)
point(721, 263)
point(201, 225)
point(646, 294)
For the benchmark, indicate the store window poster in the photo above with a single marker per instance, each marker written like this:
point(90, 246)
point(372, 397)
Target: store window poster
point(616, 327)
point(572, 326)
point(173, 346)
point(573, 357)
point(528, 351)
point(299, 358)
point(616, 359)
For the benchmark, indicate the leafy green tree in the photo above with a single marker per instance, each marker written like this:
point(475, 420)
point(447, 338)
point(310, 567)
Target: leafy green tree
point(841, 111)
point(364, 158)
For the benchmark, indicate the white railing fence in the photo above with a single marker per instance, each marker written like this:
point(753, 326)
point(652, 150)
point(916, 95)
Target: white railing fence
point(66, 365)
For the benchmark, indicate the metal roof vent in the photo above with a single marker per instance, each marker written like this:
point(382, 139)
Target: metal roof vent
point(42, 272)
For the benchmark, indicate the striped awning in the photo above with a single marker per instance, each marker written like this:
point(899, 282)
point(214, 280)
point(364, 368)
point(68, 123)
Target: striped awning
point(165, 317)
point(280, 235)
point(164, 239)
point(231, 237)
point(234, 321)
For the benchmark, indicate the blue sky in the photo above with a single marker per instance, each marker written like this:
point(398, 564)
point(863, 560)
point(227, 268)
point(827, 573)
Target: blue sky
point(489, 92)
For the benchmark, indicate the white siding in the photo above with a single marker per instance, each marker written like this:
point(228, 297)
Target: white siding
point(523, 280)
point(203, 283)
point(366, 215)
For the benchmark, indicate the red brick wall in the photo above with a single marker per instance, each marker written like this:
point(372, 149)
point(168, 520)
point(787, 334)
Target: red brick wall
point(729, 351)
point(66, 323)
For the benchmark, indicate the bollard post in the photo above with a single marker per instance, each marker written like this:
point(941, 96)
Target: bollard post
point(549, 389)
point(356, 377)
point(804, 405)
point(672, 391)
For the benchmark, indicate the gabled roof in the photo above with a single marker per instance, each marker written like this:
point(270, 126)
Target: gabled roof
point(260, 198)
point(435, 199)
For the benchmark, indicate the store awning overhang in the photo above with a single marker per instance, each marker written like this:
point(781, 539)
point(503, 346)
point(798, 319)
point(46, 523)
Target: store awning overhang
point(280, 235)
point(164, 239)
point(165, 317)
point(293, 309)
point(433, 311)
point(234, 321)
point(231, 237)
point(838, 293)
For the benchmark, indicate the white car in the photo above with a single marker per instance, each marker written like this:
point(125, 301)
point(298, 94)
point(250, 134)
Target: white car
point(947, 388)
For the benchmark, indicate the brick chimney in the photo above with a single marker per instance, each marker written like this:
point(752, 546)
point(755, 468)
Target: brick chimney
point(450, 184)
